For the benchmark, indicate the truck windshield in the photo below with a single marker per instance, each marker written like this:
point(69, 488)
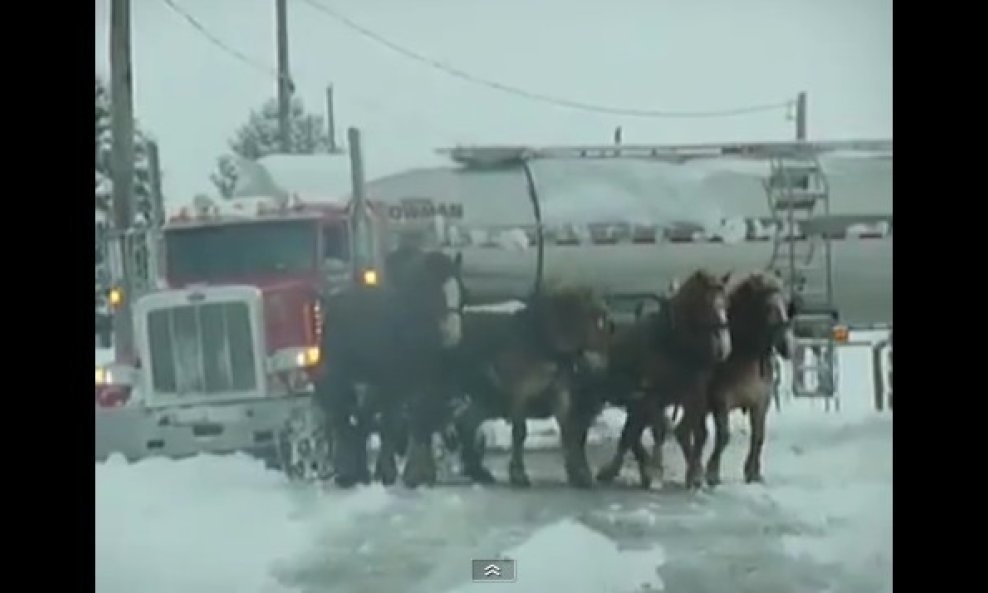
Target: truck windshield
point(241, 250)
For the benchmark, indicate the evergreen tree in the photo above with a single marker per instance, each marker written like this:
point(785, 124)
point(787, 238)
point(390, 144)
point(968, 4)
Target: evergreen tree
point(104, 155)
point(259, 137)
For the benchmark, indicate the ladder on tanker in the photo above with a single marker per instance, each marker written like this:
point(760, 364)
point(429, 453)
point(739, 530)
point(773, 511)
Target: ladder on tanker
point(798, 193)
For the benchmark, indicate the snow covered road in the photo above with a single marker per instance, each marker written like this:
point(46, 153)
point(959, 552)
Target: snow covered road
point(822, 522)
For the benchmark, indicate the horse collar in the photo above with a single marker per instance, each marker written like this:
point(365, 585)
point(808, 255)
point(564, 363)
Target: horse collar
point(532, 319)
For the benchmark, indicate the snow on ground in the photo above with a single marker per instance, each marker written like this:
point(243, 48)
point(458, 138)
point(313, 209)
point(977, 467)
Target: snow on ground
point(836, 481)
point(228, 524)
point(569, 556)
point(208, 524)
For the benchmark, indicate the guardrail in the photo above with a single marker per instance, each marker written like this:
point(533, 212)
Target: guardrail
point(880, 360)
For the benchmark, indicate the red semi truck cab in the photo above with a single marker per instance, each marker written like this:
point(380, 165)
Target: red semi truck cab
point(237, 315)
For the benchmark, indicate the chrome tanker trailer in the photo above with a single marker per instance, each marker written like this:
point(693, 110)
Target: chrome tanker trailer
point(628, 220)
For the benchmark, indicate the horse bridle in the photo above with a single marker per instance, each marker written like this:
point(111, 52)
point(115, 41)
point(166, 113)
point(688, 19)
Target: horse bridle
point(782, 326)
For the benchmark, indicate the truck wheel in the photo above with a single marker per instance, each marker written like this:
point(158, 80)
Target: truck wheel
point(304, 447)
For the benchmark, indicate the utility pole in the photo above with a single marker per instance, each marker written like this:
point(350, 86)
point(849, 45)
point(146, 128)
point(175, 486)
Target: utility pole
point(284, 77)
point(331, 120)
point(801, 116)
point(358, 201)
point(157, 199)
point(122, 122)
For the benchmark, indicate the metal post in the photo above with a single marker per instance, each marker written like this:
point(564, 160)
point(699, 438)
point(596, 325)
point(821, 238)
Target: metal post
point(284, 78)
point(876, 373)
point(801, 116)
point(122, 118)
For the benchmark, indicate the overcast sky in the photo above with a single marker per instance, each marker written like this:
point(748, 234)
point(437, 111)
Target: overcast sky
point(643, 54)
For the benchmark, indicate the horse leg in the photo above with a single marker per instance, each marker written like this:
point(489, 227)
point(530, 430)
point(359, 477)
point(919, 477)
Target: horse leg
point(753, 464)
point(722, 435)
point(420, 467)
point(644, 463)
point(471, 446)
point(337, 397)
point(634, 425)
point(386, 468)
point(571, 435)
point(519, 432)
point(660, 428)
point(692, 435)
point(684, 436)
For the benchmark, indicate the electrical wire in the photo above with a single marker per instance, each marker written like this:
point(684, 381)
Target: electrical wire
point(558, 101)
point(233, 52)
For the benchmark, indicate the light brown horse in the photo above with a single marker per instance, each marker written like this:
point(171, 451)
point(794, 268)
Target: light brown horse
point(667, 358)
point(523, 364)
point(760, 322)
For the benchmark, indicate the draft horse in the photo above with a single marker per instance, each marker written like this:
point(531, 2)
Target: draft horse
point(391, 338)
point(524, 365)
point(761, 323)
point(668, 358)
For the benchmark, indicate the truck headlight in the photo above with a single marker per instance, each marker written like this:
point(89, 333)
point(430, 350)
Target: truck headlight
point(289, 359)
point(308, 357)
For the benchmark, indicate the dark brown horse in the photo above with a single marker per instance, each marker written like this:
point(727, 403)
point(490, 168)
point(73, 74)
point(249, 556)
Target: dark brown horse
point(392, 339)
point(522, 365)
point(668, 358)
point(760, 321)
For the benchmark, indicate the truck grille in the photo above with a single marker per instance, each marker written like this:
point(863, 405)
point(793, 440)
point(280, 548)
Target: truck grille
point(202, 349)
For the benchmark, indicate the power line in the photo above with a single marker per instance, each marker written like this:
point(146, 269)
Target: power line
point(257, 65)
point(458, 73)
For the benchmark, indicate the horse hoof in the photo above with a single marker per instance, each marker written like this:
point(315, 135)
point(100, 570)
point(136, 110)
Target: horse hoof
point(755, 478)
point(519, 479)
point(645, 482)
point(345, 481)
point(388, 475)
point(606, 475)
point(480, 475)
point(694, 480)
point(580, 479)
point(713, 479)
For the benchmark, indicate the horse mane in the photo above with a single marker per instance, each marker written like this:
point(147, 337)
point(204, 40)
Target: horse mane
point(440, 265)
point(406, 263)
point(743, 289)
point(746, 302)
point(570, 299)
point(700, 282)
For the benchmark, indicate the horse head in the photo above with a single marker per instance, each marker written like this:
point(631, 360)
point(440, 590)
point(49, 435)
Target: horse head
point(430, 287)
point(698, 312)
point(760, 316)
point(574, 321)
